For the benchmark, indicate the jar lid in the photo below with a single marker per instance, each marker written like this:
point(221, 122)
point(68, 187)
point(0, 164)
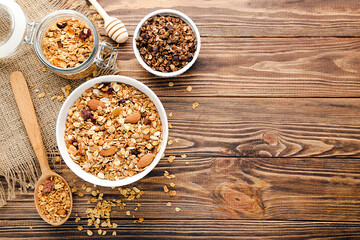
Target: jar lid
point(13, 24)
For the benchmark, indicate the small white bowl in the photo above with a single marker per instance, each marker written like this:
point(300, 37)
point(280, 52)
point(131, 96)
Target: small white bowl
point(174, 13)
point(61, 121)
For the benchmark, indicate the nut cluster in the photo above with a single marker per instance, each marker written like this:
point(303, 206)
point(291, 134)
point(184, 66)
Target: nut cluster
point(68, 43)
point(113, 131)
point(166, 43)
point(54, 199)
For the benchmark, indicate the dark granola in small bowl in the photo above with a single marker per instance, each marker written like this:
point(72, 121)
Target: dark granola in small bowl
point(167, 42)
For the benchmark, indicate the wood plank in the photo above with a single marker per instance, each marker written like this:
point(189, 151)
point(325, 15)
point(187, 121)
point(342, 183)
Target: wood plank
point(229, 188)
point(261, 67)
point(189, 229)
point(265, 127)
point(251, 18)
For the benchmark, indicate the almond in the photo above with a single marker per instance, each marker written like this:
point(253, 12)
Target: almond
point(145, 160)
point(133, 118)
point(61, 212)
point(94, 104)
point(108, 152)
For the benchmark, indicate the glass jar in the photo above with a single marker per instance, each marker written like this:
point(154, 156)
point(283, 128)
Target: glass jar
point(103, 55)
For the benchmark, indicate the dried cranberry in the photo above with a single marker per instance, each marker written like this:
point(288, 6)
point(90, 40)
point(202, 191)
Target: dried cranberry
point(122, 101)
point(143, 114)
point(155, 49)
point(92, 119)
point(169, 26)
point(59, 43)
point(85, 114)
point(150, 49)
point(176, 58)
point(110, 90)
point(85, 33)
point(61, 25)
point(48, 187)
point(190, 57)
point(147, 121)
point(136, 152)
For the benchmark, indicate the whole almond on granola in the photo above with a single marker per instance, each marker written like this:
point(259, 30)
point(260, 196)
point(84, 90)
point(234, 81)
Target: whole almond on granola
point(93, 104)
point(108, 152)
point(145, 160)
point(133, 118)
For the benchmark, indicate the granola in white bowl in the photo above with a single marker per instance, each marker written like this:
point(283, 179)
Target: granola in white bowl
point(115, 131)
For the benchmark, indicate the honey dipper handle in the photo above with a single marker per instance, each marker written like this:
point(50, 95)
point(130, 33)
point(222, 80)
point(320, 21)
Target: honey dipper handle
point(99, 9)
point(28, 116)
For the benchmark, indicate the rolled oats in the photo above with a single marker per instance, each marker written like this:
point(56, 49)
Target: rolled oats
point(54, 199)
point(68, 43)
point(113, 131)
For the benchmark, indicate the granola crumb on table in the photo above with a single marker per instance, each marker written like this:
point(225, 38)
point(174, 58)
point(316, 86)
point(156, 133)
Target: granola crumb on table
point(113, 131)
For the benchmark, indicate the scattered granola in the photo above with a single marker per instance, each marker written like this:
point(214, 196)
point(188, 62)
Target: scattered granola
point(171, 159)
point(113, 131)
point(172, 193)
point(68, 43)
point(166, 43)
point(170, 114)
point(57, 159)
point(187, 163)
point(172, 184)
point(54, 199)
point(171, 84)
point(183, 155)
point(177, 209)
point(189, 88)
point(168, 204)
point(195, 105)
point(166, 189)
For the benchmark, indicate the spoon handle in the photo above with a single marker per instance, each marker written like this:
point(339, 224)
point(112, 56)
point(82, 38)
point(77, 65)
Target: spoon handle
point(100, 10)
point(28, 116)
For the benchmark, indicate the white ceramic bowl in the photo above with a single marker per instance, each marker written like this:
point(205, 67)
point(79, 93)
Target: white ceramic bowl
point(174, 13)
point(60, 130)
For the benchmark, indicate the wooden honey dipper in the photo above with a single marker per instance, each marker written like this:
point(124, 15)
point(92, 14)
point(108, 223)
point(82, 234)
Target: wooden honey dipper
point(114, 27)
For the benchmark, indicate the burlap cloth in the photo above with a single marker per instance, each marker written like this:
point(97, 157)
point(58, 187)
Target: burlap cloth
point(18, 165)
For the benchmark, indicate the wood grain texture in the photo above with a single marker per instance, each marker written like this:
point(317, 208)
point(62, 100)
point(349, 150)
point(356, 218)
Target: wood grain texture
point(190, 229)
point(244, 18)
point(261, 67)
point(265, 127)
point(230, 188)
point(273, 148)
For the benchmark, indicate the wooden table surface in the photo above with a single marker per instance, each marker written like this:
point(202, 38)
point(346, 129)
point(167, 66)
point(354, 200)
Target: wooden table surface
point(274, 146)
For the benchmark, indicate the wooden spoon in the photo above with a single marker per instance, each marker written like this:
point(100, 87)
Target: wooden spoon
point(28, 116)
point(114, 27)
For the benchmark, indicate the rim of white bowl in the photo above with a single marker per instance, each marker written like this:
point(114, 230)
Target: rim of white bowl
point(61, 121)
point(175, 13)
